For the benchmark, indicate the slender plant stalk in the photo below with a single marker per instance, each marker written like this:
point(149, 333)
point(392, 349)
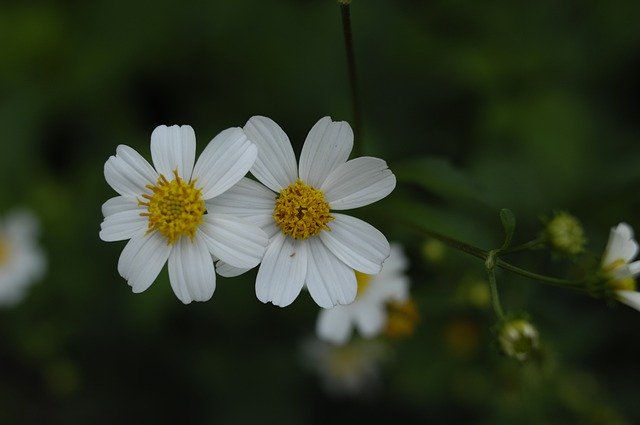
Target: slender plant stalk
point(495, 298)
point(345, 9)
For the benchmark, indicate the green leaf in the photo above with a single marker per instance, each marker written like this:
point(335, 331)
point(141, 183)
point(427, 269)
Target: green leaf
point(509, 224)
point(438, 176)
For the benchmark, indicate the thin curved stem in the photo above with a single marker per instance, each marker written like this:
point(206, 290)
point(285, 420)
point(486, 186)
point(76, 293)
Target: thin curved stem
point(565, 283)
point(524, 247)
point(495, 298)
point(345, 9)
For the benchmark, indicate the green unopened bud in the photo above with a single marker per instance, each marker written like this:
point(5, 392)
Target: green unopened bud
point(564, 234)
point(518, 338)
point(344, 1)
point(433, 250)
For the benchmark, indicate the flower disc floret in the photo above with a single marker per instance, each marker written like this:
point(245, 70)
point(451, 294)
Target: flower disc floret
point(175, 209)
point(301, 211)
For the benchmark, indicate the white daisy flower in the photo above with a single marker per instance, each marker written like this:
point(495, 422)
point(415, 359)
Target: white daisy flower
point(618, 265)
point(350, 370)
point(22, 262)
point(163, 211)
point(308, 242)
point(368, 313)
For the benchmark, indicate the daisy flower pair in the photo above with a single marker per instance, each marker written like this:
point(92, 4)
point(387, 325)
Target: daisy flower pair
point(205, 215)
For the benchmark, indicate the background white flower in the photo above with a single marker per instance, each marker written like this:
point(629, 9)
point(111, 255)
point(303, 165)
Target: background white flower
point(619, 267)
point(368, 313)
point(22, 261)
point(350, 370)
point(308, 242)
point(163, 212)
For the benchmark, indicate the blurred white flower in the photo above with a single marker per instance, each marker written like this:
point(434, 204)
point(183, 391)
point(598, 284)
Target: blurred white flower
point(618, 266)
point(368, 313)
point(350, 370)
point(163, 212)
point(308, 242)
point(22, 261)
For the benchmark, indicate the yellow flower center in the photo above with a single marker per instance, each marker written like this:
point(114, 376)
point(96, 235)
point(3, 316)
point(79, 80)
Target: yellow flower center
point(624, 284)
point(301, 211)
point(402, 318)
point(175, 209)
point(5, 250)
point(364, 280)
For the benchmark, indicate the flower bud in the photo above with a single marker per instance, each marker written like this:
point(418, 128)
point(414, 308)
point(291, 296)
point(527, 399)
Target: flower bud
point(518, 338)
point(344, 1)
point(434, 251)
point(564, 234)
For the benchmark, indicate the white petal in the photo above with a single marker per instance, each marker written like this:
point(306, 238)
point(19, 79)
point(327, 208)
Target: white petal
point(119, 204)
point(329, 280)
point(246, 199)
point(358, 244)
point(621, 245)
point(22, 225)
point(225, 270)
point(396, 262)
point(282, 272)
point(142, 260)
point(334, 325)
point(630, 298)
point(327, 146)
point(359, 182)
point(233, 240)
point(370, 319)
point(225, 160)
point(123, 225)
point(387, 288)
point(276, 164)
point(627, 270)
point(173, 148)
point(191, 271)
point(128, 173)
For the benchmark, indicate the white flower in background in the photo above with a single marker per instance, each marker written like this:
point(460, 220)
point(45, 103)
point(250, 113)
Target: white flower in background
point(22, 262)
point(368, 313)
point(308, 242)
point(618, 265)
point(347, 370)
point(163, 212)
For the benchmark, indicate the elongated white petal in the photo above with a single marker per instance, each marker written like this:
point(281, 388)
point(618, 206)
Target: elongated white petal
point(21, 225)
point(225, 270)
point(627, 270)
point(396, 263)
point(122, 225)
point(387, 288)
point(191, 270)
point(358, 182)
point(358, 244)
point(142, 260)
point(329, 280)
point(327, 146)
point(630, 298)
point(621, 245)
point(119, 204)
point(334, 325)
point(246, 199)
point(233, 240)
point(282, 272)
point(370, 319)
point(173, 148)
point(128, 173)
point(276, 165)
point(225, 160)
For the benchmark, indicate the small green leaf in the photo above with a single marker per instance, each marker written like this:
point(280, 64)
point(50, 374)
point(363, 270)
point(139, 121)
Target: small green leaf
point(509, 224)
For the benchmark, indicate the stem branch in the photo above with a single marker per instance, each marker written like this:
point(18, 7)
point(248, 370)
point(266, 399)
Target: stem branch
point(351, 67)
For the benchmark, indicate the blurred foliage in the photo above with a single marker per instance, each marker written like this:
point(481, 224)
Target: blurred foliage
point(476, 106)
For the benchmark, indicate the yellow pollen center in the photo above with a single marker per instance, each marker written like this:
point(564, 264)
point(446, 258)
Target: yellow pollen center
point(402, 318)
point(363, 280)
point(175, 209)
point(619, 284)
point(301, 211)
point(5, 251)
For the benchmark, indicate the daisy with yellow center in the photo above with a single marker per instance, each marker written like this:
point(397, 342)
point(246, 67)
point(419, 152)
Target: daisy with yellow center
point(618, 266)
point(22, 261)
point(309, 242)
point(370, 313)
point(162, 210)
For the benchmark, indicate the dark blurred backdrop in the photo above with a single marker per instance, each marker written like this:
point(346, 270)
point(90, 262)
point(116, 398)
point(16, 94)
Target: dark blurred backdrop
point(533, 103)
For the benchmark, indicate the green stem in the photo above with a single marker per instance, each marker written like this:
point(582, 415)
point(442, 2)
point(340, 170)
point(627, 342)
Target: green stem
point(495, 298)
point(345, 9)
point(524, 247)
point(565, 283)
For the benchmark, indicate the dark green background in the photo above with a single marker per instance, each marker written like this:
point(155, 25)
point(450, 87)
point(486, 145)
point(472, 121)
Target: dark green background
point(527, 105)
